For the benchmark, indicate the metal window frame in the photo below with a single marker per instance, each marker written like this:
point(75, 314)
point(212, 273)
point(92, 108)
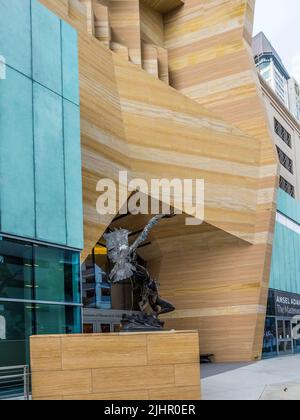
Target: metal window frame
point(34, 243)
point(37, 242)
point(40, 302)
point(286, 186)
point(282, 133)
point(285, 161)
point(25, 376)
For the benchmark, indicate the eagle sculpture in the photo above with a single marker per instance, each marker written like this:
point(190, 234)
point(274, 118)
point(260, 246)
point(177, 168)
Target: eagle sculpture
point(124, 257)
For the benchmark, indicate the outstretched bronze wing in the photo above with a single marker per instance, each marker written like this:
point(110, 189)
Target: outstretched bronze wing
point(121, 254)
point(144, 235)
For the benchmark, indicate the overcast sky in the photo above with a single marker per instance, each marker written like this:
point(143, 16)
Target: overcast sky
point(280, 21)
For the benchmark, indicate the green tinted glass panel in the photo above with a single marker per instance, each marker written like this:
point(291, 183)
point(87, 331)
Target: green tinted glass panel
point(74, 210)
point(16, 270)
point(19, 321)
point(16, 326)
point(49, 166)
point(40, 155)
point(16, 156)
point(15, 34)
point(57, 277)
point(70, 63)
point(38, 272)
point(54, 319)
point(46, 47)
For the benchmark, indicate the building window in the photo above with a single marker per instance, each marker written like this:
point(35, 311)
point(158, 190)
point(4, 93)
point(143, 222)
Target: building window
point(285, 161)
point(25, 319)
point(287, 187)
point(270, 338)
point(282, 133)
point(96, 288)
point(38, 272)
point(39, 294)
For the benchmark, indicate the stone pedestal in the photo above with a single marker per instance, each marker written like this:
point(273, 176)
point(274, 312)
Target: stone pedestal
point(118, 366)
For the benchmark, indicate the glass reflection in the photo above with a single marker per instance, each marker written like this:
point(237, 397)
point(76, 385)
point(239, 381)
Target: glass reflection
point(296, 328)
point(19, 321)
point(38, 272)
point(56, 275)
point(270, 340)
point(16, 276)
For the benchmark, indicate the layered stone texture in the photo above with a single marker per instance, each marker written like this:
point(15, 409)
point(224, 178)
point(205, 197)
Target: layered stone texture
point(216, 274)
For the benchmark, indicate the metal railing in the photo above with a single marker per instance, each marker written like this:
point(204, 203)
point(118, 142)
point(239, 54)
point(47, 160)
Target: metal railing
point(15, 382)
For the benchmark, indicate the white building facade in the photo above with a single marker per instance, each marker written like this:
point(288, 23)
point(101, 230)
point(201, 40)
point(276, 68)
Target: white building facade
point(294, 98)
point(273, 71)
point(286, 135)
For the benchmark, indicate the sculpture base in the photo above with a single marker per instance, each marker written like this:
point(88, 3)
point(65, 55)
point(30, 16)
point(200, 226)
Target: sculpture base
point(141, 322)
point(116, 366)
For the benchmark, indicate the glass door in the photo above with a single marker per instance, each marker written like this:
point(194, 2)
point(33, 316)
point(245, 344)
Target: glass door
point(284, 336)
point(270, 338)
point(296, 342)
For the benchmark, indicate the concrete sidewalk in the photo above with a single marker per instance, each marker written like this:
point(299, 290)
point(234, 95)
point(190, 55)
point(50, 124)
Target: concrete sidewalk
point(272, 379)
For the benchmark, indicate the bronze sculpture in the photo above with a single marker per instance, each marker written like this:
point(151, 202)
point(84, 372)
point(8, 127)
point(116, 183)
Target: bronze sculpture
point(126, 266)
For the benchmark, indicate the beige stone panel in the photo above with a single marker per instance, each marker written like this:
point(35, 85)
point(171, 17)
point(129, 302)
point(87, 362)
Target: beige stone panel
point(187, 375)
point(45, 354)
point(172, 349)
point(145, 377)
point(125, 26)
point(102, 24)
point(150, 59)
point(120, 49)
point(60, 383)
point(134, 395)
point(163, 6)
point(177, 393)
point(89, 352)
point(163, 65)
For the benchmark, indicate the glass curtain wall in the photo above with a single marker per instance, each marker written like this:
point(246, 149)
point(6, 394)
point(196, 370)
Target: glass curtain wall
point(40, 293)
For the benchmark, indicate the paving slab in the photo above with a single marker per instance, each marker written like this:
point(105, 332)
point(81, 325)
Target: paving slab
point(282, 392)
point(277, 378)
